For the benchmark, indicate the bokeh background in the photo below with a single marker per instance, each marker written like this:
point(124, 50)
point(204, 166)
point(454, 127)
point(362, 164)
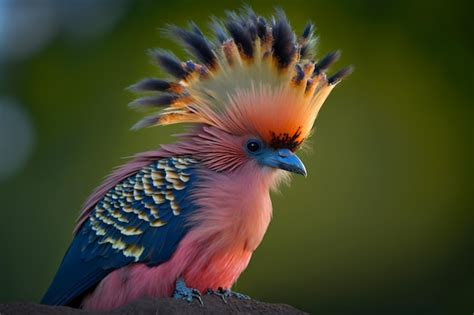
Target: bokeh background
point(384, 223)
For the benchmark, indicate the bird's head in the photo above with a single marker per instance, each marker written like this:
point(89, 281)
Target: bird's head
point(252, 95)
point(279, 158)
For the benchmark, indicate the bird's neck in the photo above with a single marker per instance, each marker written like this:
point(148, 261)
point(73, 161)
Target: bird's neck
point(234, 208)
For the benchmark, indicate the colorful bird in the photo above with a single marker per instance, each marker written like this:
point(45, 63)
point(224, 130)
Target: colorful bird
point(185, 219)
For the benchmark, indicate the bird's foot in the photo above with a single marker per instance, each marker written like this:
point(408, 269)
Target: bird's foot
point(182, 292)
point(226, 293)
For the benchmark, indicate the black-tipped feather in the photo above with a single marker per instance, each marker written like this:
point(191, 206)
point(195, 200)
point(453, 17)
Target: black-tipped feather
point(244, 29)
point(299, 73)
point(154, 101)
point(341, 74)
point(252, 29)
point(146, 122)
point(283, 41)
point(197, 45)
point(326, 62)
point(241, 37)
point(219, 32)
point(248, 14)
point(261, 28)
point(169, 63)
point(307, 41)
point(196, 30)
point(150, 85)
point(249, 21)
point(308, 30)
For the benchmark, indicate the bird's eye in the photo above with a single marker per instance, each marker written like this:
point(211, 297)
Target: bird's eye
point(253, 146)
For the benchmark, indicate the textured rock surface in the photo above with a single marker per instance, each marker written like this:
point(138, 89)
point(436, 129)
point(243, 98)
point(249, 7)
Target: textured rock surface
point(212, 305)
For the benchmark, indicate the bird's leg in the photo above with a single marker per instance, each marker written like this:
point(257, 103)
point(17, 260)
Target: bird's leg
point(227, 293)
point(183, 292)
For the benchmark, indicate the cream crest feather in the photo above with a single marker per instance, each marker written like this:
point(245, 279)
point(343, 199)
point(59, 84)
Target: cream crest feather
point(255, 77)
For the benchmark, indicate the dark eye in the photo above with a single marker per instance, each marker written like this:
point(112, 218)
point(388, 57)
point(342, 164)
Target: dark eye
point(253, 146)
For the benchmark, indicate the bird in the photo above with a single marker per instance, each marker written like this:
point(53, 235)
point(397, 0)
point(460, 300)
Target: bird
point(183, 220)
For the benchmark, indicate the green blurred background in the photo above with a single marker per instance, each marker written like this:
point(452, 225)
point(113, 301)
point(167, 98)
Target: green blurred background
point(384, 223)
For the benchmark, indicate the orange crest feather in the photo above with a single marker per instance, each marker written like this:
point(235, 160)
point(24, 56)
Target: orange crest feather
point(257, 79)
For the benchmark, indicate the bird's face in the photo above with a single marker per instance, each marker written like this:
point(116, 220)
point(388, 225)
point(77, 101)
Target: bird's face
point(273, 157)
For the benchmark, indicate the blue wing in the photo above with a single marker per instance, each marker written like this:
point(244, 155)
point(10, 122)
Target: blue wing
point(142, 219)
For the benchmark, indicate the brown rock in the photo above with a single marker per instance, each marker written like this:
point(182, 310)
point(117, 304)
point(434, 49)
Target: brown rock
point(212, 305)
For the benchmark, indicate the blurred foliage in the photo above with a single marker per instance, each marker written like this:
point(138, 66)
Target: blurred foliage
point(384, 222)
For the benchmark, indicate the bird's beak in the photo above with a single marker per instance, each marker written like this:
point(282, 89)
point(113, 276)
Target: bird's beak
point(286, 160)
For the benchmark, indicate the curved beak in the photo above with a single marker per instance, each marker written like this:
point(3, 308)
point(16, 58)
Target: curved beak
point(286, 160)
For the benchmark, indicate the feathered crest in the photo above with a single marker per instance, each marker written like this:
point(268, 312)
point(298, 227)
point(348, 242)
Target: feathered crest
point(256, 76)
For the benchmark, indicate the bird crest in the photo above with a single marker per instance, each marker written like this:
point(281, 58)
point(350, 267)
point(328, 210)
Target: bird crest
point(256, 77)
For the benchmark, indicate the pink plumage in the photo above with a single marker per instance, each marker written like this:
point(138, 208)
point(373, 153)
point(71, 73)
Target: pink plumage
point(231, 226)
point(196, 210)
point(234, 213)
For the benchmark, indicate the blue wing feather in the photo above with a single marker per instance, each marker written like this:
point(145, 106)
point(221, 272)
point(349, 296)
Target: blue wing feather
point(142, 219)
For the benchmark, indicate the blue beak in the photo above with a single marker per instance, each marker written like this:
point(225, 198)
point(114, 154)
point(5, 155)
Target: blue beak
point(286, 160)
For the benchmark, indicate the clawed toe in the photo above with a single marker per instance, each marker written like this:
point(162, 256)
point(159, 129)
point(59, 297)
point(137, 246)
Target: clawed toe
point(241, 296)
point(226, 293)
point(184, 293)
